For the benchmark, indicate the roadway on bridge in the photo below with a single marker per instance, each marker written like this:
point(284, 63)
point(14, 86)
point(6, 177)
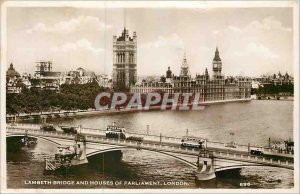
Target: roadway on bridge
point(232, 151)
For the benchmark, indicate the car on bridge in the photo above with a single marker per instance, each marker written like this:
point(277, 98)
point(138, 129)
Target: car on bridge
point(113, 131)
point(256, 151)
point(135, 138)
point(47, 127)
point(68, 129)
point(193, 142)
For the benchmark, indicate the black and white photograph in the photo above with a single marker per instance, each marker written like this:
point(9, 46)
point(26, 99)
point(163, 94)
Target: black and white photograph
point(149, 96)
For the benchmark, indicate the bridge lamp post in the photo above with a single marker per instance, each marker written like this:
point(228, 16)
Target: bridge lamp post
point(79, 129)
point(248, 147)
point(187, 132)
point(147, 129)
point(232, 138)
point(160, 137)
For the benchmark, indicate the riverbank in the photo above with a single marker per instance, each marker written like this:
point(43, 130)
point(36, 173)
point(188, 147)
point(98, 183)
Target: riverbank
point(90, 112)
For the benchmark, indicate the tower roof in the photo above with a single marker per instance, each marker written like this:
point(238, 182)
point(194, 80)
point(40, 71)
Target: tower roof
point(206, 72)
point(169, 73)
point(123, 36)
point(185, 67)
point(217, 56)
point(11, 72)
point(184, 61)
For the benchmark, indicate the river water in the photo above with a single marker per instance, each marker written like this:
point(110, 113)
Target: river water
point(251, 122)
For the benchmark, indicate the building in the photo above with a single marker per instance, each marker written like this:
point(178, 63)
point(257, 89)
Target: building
point(26, 80)
point(84, 76)
point(104, 81)
point(156, 86)
point(11, 73)
point(13, 80)
point(275, 79)
point(124, 60)
point(44, 78)
point(210, 88)
point(182, 83)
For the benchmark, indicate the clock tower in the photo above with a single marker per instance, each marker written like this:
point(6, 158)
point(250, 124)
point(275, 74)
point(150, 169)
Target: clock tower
point(217, 64)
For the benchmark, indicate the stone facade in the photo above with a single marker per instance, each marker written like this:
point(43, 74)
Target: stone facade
point(124, 60)
point(210, 88)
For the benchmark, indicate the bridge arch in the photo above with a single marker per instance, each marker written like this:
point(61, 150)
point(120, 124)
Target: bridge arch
point(34, 136)
point(218, 169)
point(125, 147)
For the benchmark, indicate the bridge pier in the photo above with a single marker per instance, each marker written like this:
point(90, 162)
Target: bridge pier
point(80, 149)
point(206, 170)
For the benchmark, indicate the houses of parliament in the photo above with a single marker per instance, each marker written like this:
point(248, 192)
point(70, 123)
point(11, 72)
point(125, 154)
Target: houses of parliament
point(210, 88)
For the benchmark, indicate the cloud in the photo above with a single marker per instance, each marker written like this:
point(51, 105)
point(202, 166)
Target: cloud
point(162, 52)
point(255, 50)
point(234, 29)
point(267, 24)
point(261, 50)
point(80, 45)
point(172, 41)
point(82, 22)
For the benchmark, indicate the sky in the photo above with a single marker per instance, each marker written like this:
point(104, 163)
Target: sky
point(251, 41)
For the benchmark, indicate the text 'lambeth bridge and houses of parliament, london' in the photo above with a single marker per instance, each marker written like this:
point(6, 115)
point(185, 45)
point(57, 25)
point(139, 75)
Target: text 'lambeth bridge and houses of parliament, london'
point(76, 144)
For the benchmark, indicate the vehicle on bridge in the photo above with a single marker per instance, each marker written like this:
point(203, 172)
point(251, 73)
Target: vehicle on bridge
point(134, 138)
point(47, 127)
point(256, 151)
point(113, 131)
point(67, 129)
point(289, 145)
point(194, 142)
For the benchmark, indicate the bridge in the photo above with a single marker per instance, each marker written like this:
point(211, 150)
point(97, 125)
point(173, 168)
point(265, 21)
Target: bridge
point(206, 165)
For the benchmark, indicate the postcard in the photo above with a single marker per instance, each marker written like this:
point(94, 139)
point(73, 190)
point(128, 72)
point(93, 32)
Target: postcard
point(149, 96)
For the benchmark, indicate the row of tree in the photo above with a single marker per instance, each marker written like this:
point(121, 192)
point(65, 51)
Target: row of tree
point(274, 89)
point(70, 97)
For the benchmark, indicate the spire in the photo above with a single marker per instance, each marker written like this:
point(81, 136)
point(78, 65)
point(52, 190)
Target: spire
point(286, 74)
point(124, 19)
point(124, 31)
point(185, 67)
point(206, 74)
point(217, 56)
point(184, 62)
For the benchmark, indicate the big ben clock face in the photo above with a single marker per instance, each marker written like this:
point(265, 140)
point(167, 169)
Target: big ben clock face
point(215, 65)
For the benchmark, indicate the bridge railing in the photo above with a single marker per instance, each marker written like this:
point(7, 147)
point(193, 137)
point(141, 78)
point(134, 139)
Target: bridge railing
point(160, 147)
point(255, 159)
point(172, 148)
point(210, 144)
point(21, 125)
point(167, 139)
